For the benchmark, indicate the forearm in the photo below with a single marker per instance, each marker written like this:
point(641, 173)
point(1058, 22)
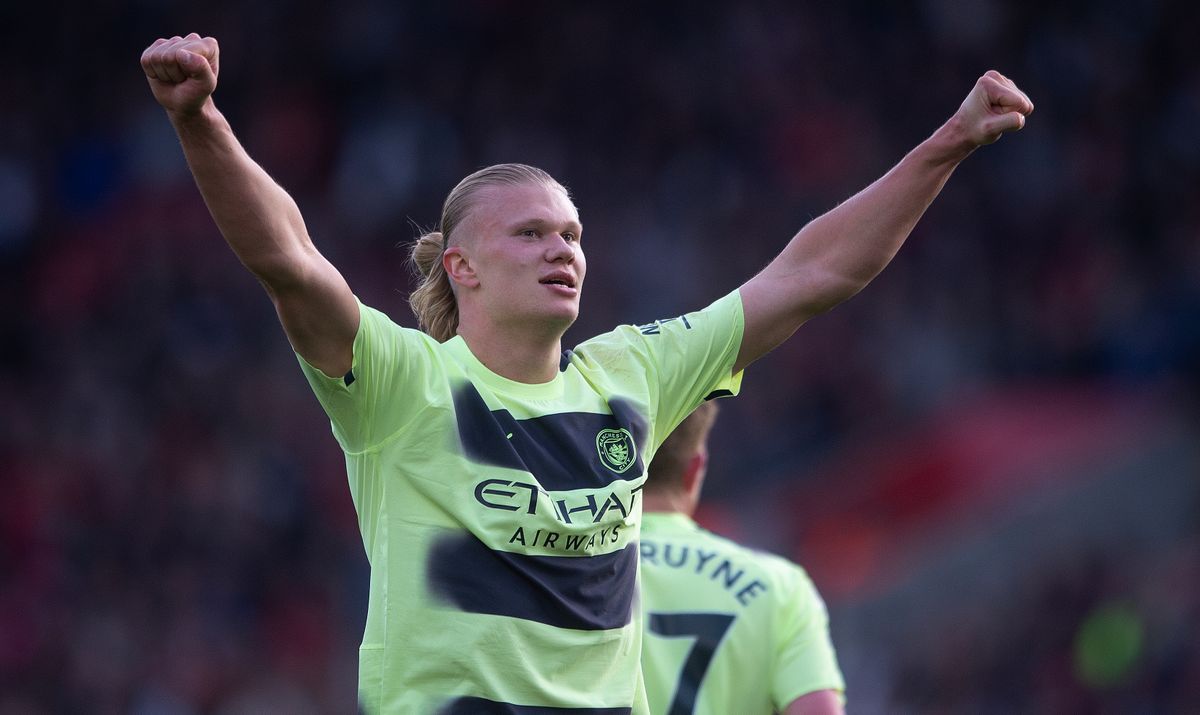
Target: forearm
point(838, 254)
point(258, 219)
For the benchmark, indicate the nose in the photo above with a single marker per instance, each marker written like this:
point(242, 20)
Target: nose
point(560, 249)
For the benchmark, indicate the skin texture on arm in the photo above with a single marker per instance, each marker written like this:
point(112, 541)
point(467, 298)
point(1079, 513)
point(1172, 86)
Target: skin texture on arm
point(836, 255)
point(821, 702)
point(258, 219)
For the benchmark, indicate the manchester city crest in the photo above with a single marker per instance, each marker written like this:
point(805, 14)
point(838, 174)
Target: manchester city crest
point(617, 449)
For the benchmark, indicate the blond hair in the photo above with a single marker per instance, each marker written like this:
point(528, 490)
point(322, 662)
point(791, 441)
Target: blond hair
point(685, 441)
point(433, 301)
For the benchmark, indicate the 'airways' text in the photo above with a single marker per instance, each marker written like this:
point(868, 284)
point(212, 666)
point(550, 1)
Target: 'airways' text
point(566, 542)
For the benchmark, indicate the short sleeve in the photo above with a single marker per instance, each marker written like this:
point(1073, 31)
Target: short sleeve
point(693, 357)
point(386, 386)
point(805, 659)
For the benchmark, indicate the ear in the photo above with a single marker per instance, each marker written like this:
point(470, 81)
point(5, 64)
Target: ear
point(458, 267)
point(693, 476)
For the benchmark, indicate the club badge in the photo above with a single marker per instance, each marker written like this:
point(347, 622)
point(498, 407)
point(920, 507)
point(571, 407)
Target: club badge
point(616, 448)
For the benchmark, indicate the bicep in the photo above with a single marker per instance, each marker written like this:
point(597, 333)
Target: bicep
point(765, 329)
point(319, 313)
point(820, 702)
point(780, 299)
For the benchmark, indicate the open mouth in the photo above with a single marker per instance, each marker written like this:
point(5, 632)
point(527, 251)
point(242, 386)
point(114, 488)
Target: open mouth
point(559, 281)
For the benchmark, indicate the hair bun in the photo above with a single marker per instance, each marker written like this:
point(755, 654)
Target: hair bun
point(427, 254)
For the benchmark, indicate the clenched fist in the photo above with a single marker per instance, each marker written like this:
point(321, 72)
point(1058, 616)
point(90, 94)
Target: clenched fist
point(182, 72)
point(994, 106)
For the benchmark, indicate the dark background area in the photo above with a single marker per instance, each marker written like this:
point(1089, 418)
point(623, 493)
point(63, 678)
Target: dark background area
point(987, 460)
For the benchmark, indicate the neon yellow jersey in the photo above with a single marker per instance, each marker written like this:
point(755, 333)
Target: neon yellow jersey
point(501, 519)
point(728, 629)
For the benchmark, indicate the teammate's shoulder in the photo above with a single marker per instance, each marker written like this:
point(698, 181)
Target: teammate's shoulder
point(781, 569)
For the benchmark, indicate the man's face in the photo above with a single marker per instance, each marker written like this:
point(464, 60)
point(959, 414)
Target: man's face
point(523, 244)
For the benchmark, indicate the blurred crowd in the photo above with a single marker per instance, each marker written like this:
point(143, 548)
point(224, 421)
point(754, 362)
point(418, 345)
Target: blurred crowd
point(176, 534)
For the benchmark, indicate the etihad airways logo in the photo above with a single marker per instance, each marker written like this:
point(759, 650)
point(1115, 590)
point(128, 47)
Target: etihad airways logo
point(525, 499)
point(571, 509)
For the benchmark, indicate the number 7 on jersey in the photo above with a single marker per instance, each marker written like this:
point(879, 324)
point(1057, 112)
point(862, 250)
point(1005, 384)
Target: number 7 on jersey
point(708, 629)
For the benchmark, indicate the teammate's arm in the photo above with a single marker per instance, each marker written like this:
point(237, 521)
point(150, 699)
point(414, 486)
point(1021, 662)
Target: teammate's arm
point(836, 255)
point(258, 219)
point(820, 702)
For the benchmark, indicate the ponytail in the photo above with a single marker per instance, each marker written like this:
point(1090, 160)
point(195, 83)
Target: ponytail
point(433, 301)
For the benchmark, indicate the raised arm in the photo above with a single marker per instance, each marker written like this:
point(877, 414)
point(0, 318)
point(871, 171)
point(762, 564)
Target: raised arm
point(256, 216)
point(836, 255)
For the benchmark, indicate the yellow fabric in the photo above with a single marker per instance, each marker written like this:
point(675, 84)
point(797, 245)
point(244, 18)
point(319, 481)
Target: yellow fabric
point(479, 498)
point(761, 615)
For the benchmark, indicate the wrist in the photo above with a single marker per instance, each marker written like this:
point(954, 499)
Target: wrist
point(950, 143)
point(204, 117)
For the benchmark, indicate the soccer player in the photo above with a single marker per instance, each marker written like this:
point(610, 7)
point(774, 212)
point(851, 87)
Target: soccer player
point(728, 629)
point(497, 477)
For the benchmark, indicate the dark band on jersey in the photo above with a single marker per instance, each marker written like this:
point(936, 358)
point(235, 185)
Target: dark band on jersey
point(559, 450)
point(587, 593)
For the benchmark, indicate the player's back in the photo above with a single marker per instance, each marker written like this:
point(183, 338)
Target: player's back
point(728, 629)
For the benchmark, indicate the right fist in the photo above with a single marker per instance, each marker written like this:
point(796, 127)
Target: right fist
point(182, 72)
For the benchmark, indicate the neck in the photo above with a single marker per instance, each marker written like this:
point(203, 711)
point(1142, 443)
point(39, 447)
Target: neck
point(668, 502)
point(532, 359)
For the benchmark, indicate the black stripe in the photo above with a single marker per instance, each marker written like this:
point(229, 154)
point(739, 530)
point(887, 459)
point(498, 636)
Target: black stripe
point(708, 629)
point(480, 706)
point(717, 394)
point(585, 593)
point(559, 449)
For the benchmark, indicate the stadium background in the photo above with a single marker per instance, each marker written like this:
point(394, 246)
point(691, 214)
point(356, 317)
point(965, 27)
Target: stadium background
point(988, 460)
